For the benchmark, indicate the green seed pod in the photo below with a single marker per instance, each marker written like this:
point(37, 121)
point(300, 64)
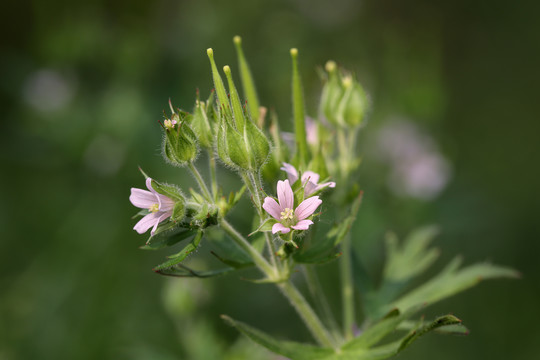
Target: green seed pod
point(180, 145)
point(201, 125)
point(258, 145)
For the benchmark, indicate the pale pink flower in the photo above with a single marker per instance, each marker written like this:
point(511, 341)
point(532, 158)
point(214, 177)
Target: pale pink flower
point(160, 207)
point(283, 211)
point(309, 178)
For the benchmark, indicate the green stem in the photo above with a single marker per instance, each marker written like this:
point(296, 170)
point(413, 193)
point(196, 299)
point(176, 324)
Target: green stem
point(212, 163)
point(321, 302)
point(347, 288)
point(200, 181)
point(307, 314)
point(257, 184)
point(257, 258)
point(343, 154)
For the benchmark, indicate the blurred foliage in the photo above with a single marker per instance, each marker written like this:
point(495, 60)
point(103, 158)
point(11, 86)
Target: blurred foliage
point(84, 83)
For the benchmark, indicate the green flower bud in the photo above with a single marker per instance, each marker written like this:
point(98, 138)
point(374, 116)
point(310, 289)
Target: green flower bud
point(180, 143)
point(353, 105)
point(332, 93)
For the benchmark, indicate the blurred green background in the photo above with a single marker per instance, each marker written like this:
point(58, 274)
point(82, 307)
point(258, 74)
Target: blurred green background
point(84, 83)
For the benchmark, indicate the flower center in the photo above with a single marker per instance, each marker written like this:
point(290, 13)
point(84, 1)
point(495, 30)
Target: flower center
point(169, 124)
point(154, 208)
point(287, 214)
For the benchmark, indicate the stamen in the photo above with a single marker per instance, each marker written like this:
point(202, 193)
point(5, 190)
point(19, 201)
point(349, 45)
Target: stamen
point(154, 208)
point(287, 214)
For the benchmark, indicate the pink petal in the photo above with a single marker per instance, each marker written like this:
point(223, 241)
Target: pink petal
point(272, 207)
point(142, 198)
point(164, 202)
point(310, 188)
point(285, 194)
point(307, 207)
point(302, 225)
point(279, 227)
point(329, 184)
point(149, 185)
point(161, 218)
point(292, 174)
point(147, 222)
point(311, 176)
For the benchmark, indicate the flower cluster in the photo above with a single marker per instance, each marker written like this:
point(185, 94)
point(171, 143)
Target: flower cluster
point(283, 211)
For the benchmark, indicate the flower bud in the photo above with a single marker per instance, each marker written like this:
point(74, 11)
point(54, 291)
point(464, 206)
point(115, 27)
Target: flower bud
point(180, 143)
point(332, 93)
point(353, 104)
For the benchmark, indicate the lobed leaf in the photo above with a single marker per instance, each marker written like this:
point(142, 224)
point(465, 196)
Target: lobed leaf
point(179, 257)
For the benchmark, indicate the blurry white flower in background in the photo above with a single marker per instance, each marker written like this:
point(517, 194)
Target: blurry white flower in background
point(47, 90)
point(417, 168)
point(104, 155)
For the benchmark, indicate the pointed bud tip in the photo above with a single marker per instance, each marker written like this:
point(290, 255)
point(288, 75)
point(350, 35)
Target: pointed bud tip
point(237, 40)
point(347, 81)
point(330, 66)
point(294, 52)
point(210, 52)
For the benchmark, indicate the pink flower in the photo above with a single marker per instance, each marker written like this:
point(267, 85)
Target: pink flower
point(160, 207)
point(283, 212)
point(309, 179)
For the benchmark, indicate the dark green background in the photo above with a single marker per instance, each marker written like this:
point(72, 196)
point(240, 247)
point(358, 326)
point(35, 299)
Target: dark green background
point(73, 284)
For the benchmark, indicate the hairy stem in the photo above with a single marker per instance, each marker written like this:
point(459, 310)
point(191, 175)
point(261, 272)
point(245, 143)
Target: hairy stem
point(258, 196)
point(212, 165)
point(347, 288)
point(200, 182)
point(321, 302)
point(257, 258)
point(307, 314)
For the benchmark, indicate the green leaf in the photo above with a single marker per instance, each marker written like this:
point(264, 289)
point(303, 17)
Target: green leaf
point(232, 263)
point(248, 84)
point(234, 197)
point(265, 226)
point(227, 249)
point(451, 281)
point(292, 350)
point(165, 229)
point(179, 257)
point(413, 257)
point(380, 330)
point(168, 239)
point(180, 270)
point(323, 250)
point(439, 322)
